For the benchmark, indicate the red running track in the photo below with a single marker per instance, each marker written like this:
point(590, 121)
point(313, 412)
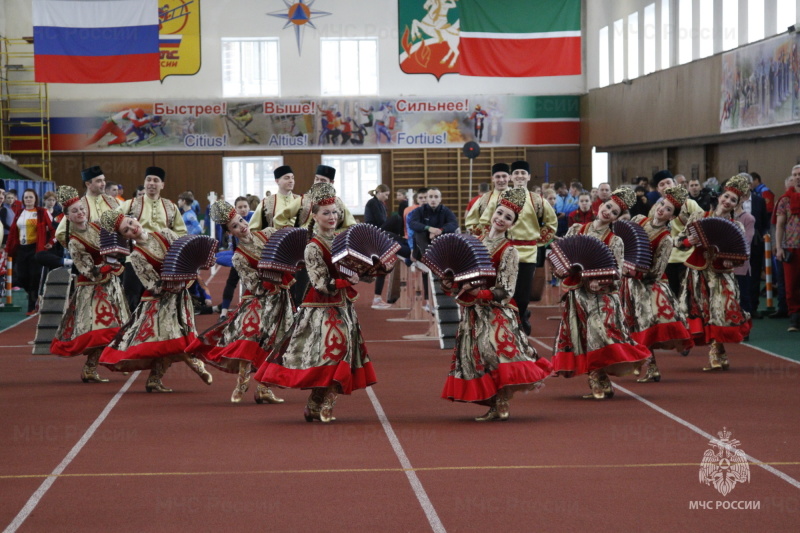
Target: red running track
point(192, 461)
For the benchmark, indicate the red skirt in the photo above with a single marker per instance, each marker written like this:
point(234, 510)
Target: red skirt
point(97, 338)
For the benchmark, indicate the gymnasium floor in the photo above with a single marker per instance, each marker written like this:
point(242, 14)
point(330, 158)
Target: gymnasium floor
point(109, 457)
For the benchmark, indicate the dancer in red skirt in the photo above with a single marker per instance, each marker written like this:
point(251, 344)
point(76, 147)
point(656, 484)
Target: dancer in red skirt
point(592, 337)
point(242, 342)
point(97, 307)
point(492, 358)
point(710, 295)
point(651, 308)
point(162, 326)
point(324, 350)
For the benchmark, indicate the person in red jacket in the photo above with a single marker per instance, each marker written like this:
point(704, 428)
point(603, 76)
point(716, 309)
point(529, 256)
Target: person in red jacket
point(583, 214)
point(31, 232)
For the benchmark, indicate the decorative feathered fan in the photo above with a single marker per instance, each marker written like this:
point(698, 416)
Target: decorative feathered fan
point(283, 253)
point(585, 255)
point(638, 256)
point(722, 238)
point(113, 244)
point(187, 255)
point(364, 249)
point(459, 257)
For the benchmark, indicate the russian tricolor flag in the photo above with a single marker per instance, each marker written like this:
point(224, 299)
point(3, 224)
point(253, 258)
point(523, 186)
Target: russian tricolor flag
point(95, 41)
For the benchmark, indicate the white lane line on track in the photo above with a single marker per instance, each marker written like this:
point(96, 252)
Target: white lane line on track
point(792, 481)
point(773, 354)
point(18, 346)
point(416, 484)
point(34, 500)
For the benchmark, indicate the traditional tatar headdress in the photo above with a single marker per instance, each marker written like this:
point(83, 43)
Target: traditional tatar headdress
point(323, 194)
point(676, 195)
point(624, 197)
point(222, 212)
point(67, 196)
point(514, 199)
point(738, 185)
point(110, 220)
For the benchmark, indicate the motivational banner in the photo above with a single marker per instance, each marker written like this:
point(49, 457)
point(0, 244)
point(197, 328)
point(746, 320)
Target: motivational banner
point(761, 85)
point(278, 124)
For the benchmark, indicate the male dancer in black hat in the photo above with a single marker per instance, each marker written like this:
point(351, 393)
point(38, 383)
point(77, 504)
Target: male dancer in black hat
point(300, 213)
point(95, 200)
point(535, 228)
point(275, 204)
point(154, 213)
point(302, 210)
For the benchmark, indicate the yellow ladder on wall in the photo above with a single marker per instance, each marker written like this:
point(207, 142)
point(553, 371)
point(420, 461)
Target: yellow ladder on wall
point(24, 106)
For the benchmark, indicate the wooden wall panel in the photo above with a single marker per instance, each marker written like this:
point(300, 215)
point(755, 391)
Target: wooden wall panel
point(678, 103)
point(687, 157)
point(772, 158)
point(200, 173)
point(624, 167)
point(554, 164)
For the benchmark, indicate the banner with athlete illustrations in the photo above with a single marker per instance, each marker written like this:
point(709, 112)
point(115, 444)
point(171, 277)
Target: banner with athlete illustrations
point(761, 84)
point(330, 123)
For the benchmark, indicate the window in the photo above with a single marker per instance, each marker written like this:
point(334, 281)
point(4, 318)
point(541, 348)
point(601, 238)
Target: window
point(666, 34)
point(349, 67)
point(619, 56)
point(755, 20)
point(602, 63)
point(706, 28)
point(649, 39)
point(355, 176)
point(787, 14)
point(633, 46)
point(599, 167)
point(730, 24)
point(250, 67)
point(249, 175)
point(685, 30)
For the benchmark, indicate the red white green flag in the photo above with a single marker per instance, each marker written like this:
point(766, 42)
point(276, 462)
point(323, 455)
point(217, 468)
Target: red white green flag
point(520, 38)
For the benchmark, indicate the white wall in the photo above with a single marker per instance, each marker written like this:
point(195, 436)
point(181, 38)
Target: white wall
point(300, 75)
point(601, 13)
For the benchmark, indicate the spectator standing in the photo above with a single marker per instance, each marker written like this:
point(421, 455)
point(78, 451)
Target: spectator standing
point(566, 204)
point(582, 215)
point(763, 191)
point(743, 272)
point(701, 195)
point(31, 232)
point(421, 198)
point(402, 200)
point(375, 215)
point(431, 220)
point(642, 206)
point(185, 200)
point(757, 207)
point(603, 195)
point(53, 257)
